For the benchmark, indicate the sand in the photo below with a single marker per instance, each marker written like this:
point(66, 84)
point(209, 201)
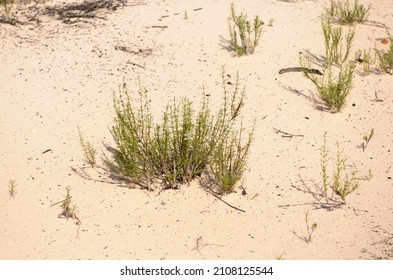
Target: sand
point(59, 73)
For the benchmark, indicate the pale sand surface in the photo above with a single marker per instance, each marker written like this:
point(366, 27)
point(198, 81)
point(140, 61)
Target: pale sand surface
point(56, 76)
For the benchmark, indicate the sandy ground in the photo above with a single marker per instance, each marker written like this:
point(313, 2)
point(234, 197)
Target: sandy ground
point(57, 75)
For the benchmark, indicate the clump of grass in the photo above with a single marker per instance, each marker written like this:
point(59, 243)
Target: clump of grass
point(183, 144)
point(386, 58)
point(335, 85)
point(344, 13)
point(340, 183)
point(68, 209)
point(89, 151)
point(245, 35)
point(367, 139)
point(310, 228)
point(12, 187)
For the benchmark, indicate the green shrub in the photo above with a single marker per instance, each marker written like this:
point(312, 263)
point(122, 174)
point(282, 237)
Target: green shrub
point(345, 14)
point(334, 86)
point(240, 29)
point(386, 58)
point(183, 144)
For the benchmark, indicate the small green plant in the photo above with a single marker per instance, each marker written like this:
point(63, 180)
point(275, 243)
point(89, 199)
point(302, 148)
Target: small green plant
point(345, 14)
point(386, 58)
point(7, 4)
point(68, 210)
point(280, 257)
point(244, 34)
point(340, 183)
point(12, 187)
point(334, 46)
point(367, 139)
point(184, 144)
point(335, 85)
point(310, 228)
point(88, 149)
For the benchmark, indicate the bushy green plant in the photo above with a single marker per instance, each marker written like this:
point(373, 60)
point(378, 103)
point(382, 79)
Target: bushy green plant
point(386, 58)
point(340, 183)
point(244, 34)
point(336, 52)
point(344, 13)
point(183, 144)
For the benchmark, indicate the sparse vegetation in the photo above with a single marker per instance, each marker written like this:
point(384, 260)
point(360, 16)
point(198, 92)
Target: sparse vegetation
point(245, 35)
point(310, 228)
point(183, 145)
point(344, 13)
point(364, 57)
point(334, 86)
point(340, 183)
point(386, 58)
point(89, 151)
point(367, 138)
point(12, 187)
point(68, 209)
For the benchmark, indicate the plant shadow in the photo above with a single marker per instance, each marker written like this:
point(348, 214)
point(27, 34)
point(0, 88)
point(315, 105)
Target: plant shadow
point(81, 12)
point(318, 104)
point(321, 199)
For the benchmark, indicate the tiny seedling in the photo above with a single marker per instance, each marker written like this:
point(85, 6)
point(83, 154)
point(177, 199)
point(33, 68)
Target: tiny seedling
point(280, 257)
point(12, 187)
point(88, 149)
point(310, 228)
point(68, 209)
point(248, 33)
point(367, 139)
